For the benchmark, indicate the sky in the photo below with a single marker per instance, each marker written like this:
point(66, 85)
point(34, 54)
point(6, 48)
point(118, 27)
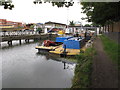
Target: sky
point(26, 11)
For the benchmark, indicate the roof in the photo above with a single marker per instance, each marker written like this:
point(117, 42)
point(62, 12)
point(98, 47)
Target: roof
point(54, 23)
point(82, 27)
point(40, 23)
point(74, 26)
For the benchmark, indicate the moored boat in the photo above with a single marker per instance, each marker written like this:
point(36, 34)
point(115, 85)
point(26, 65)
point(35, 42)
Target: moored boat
point(51, 45)
point(64, 46)
point(48, 45)
point(71, 46)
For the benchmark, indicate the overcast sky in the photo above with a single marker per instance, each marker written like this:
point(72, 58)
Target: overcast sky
point(27, 12)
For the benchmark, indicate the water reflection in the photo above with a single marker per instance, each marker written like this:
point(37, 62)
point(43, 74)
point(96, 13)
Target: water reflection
point(55, 57)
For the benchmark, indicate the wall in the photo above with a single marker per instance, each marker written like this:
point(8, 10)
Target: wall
point(112, 31)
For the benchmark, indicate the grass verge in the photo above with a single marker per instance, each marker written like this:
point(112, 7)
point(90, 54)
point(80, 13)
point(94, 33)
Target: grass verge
point(83, 69)
point(111, 48)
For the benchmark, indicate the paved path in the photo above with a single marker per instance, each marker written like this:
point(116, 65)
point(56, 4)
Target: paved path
point(105, 73)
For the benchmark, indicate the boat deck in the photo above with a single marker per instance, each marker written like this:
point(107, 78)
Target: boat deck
point(46, 48)
point(60, 50)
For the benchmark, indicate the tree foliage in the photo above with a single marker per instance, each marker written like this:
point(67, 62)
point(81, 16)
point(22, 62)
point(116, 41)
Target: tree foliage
point(87, 25)
point(59, 3)
point(101, 13)
point(7, 4)
point(71, 23)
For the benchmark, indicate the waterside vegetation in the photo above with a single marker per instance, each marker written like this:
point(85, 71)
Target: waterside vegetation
point(83, 70)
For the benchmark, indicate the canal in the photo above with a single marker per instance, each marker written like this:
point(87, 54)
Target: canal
point(23, 67)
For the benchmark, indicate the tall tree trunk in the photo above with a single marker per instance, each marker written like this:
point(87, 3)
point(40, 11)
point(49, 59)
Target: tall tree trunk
point(105, 28)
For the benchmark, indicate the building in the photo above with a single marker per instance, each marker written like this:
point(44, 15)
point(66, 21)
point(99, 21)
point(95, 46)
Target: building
point(54, 25)
point(2, 21)
point(5, 24)
point(9, 24)
point(74, 29)
point(17, 24)
point(38, 25)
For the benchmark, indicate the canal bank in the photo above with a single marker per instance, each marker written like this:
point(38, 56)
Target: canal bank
point(23, 67)
point(83, 69)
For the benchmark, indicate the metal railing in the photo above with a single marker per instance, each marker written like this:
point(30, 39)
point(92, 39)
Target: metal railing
point(18, 33)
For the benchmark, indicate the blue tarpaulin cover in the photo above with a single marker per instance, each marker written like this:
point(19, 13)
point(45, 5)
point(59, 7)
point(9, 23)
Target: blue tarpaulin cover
point(72, 44)
point(61, 39)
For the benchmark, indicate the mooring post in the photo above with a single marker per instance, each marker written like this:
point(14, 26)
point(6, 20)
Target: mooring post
point(64, 65)
point(64, 52)
point(10, 43)
point(20, 41)
point(28, 40)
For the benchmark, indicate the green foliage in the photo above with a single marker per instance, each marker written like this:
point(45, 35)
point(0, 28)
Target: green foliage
point(83, 69)
point(101, 12)
point(32, 26)
point(7, 4)
point(112, 48)
point(87, 25)
point(60, 3)
point(39, 29)
point(71, 23)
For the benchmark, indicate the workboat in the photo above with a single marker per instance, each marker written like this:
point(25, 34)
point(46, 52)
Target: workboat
point(71, 46)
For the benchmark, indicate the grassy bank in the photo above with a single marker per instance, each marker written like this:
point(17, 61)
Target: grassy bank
point(83, 69)
point(112, 49)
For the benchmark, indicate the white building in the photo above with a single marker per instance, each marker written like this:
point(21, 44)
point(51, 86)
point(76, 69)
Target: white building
point(50, 25)
point(74, 29)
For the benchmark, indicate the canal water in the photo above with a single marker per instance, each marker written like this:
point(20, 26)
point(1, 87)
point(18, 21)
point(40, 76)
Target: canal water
point(23, 67)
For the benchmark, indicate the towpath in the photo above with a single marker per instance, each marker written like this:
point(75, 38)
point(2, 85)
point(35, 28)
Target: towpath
point(105, 73)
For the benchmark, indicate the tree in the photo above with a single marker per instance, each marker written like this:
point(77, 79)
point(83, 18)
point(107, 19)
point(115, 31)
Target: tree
point(59, 3)
point(87, 25)
point(101, 13)
point(71, 23)
point(7, 4)
point(39, 30)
